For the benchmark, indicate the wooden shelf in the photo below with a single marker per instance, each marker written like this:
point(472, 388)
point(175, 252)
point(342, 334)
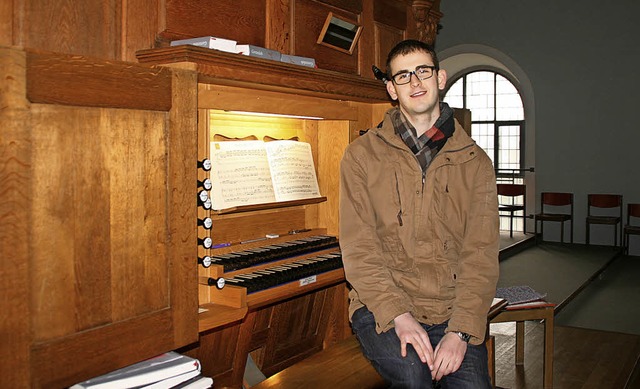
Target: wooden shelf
point(218, 67)
point(217, 315)
point(279, 204)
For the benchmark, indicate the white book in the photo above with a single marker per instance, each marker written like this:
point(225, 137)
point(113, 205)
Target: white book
point(257, 172)
point(196, 383)
point(210, 42)
point(172, 381)
point(261, 52)
point(149, 371)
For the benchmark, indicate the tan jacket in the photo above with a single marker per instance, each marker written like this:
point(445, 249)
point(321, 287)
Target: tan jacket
point(427, 248)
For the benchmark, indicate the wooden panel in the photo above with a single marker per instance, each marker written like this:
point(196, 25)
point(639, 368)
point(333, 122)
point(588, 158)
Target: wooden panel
point(354, 6)
point(16, 198)
point(297, 330)
point(391, 13)
point(309, 19)
point(72, 80)
point(240, 99)
point(140, 22)
point(232, 228)
point(99, 222)
point(386, 38)
point(241, 20)
point(216, 350)
point(63, 362)
point(8, 11)
point(181, 242)
point(92, 221)
point(333, 138)
point(90, 28)
point(277, 34)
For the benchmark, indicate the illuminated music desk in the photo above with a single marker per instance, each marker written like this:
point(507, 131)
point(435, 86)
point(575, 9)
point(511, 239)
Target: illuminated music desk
point(519, 313)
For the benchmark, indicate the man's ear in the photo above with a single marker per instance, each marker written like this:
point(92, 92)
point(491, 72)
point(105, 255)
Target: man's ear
point(391, 89)
point(442, 79)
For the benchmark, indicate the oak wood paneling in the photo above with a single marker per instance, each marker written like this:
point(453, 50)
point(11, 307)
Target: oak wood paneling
point(7, 14)
point(16, 198)
point(278, 28)
point(241, 20)
point(354, 6)
point(98, 221)
point(391, 13)
point(71, 80)
point(90, 28)
point(386, 38)
point(141, 21)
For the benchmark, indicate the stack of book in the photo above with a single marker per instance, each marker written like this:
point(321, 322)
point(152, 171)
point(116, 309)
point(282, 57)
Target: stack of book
point(168, 370)
point(231, 46)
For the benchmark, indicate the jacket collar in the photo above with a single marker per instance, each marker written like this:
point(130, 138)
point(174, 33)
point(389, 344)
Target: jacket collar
point(458, 149)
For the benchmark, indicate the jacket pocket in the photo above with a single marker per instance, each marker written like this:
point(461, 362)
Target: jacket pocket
point(395, 254)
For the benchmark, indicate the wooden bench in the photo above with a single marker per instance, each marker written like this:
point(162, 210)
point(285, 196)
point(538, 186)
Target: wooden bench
point(340, 366)
point(343, 366)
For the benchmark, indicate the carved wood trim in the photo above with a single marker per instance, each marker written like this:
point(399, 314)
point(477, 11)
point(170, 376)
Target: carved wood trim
point(427, 15)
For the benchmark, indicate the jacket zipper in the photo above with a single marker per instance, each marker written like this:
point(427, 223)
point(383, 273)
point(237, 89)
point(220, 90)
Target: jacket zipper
point(399, 199)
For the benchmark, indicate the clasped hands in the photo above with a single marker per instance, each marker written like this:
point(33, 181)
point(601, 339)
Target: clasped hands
point(445, 359)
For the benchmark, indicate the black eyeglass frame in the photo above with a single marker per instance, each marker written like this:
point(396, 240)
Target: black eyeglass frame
point(433, 69)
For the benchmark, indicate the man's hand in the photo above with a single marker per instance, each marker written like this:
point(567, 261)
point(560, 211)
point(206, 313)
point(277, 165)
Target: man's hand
point(410, 331)
point(448, 355)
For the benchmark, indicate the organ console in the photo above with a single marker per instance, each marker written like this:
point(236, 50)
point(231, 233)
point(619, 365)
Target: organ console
point(271, 284)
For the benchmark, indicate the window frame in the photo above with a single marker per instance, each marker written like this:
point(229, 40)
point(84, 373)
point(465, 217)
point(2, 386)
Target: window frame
point(500, 173)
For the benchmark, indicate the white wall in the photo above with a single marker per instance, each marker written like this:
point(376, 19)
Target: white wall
point(583, 64)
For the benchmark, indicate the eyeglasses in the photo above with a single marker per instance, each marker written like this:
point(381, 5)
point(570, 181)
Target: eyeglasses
point(422, 72)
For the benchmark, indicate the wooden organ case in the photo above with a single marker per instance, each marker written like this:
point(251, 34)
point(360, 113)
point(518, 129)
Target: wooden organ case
point(282, 324)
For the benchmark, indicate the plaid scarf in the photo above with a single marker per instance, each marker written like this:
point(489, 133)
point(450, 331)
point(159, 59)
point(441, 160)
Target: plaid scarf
point(428, 144)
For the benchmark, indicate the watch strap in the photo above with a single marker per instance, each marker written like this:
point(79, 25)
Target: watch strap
point(464, 336)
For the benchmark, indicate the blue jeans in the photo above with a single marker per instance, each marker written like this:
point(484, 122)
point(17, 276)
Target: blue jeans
point(383, 350)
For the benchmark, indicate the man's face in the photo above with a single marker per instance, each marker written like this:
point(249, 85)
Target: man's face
point(418, 96)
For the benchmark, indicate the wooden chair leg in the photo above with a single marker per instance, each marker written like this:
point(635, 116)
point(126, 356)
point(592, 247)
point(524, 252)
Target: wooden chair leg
point(491, 357)
point(519, 342)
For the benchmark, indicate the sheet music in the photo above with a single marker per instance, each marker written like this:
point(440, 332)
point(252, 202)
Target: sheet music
point(257, 172)
point(240, 174)
point(292, 171)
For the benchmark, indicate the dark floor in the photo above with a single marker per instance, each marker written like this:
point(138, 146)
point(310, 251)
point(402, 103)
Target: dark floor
point(596, 292)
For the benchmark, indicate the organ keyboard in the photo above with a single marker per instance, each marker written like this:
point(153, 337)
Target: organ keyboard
point(236, 260)
point(280, 269)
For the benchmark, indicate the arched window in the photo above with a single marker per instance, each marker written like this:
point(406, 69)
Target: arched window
point(497, 117)
point(497, 125)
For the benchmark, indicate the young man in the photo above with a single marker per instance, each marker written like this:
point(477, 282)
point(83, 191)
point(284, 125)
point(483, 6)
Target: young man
point(419, 234)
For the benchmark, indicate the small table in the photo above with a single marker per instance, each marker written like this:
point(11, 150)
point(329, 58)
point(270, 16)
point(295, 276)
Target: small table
point(519, 313)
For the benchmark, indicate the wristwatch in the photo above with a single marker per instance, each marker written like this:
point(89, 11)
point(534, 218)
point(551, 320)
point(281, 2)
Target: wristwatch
point(464, 336)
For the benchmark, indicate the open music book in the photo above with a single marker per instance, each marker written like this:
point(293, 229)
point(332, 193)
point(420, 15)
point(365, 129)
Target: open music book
point(256, 172)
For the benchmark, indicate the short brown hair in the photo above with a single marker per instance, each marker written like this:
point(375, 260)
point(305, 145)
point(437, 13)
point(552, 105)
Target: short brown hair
point(410, 46)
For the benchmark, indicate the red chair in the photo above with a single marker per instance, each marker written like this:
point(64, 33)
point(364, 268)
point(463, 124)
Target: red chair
point(511, 192)
point(549, 201)
point(602, 202)
point(633, 210)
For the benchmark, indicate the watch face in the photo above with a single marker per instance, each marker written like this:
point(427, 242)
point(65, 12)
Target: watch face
point(464, 336)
